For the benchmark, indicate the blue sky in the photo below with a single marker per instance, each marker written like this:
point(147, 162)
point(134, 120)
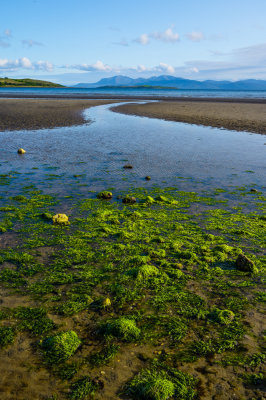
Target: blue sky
point(71, 41)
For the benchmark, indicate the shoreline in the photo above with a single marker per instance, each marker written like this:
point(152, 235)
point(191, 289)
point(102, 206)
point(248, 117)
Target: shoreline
point(130, 98)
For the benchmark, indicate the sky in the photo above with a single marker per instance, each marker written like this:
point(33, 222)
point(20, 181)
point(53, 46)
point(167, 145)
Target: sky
point(72, 41)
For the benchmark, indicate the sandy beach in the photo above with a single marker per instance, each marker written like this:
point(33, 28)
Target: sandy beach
point(232, 115)
point(19, 114)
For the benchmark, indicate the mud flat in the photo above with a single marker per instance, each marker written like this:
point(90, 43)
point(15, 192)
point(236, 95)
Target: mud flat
point(230, 115)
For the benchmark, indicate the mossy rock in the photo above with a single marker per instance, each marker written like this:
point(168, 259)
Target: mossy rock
point(60, 347)
point(122, 328)
point(129, 200)
point(243, 263)
point(151, 386)
point(60, 219)
point(144, 272)
point(224, 317)
point(105, 195)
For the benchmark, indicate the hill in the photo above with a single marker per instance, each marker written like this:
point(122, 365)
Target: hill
point(10, 82)
point(179, 83)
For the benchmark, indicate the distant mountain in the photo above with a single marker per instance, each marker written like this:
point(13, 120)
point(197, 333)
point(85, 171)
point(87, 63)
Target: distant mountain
point(10, 82)
point(179, 83)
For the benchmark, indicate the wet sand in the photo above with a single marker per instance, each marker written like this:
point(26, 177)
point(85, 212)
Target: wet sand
point(20, 114)
point(230, 115)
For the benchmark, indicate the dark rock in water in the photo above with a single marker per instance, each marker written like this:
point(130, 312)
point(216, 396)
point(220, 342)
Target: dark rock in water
point(253, 190)
point(128, 166)
point(129, 200)
point(148, 178)
point(105, 195)
point(243, 263)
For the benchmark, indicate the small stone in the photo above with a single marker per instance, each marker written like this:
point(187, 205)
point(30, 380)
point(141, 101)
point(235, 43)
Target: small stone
point(243, 263)
point(253, 190)
point(21, 151)
point(128, 166)
point(148, 178)
point(129, 200)
point(60, 219)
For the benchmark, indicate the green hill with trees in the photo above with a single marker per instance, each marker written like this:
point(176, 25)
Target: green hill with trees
point(10, 82)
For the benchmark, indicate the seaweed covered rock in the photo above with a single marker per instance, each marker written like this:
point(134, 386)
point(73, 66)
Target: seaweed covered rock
point(21, 151)
point(148, 178)
point(129, 200)
point(128, 166)
point(224, 317)
point(243, 263)
point(105, 195)
point(123, 328)
point(60, 347)
point(60, 219)
point(159, 385)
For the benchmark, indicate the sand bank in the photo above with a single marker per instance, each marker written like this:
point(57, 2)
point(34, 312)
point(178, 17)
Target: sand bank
point(19, 114)
point(232, 115)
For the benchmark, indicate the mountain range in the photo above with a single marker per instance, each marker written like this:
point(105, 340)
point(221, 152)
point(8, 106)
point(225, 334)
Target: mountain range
point(179, 83)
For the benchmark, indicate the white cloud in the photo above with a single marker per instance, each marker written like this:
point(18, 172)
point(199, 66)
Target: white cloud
point(98, 66)
point(165, 68)
point(195, 36)
point(25, 63)
point(167, 36)
point(143, 39)
point(30, 43)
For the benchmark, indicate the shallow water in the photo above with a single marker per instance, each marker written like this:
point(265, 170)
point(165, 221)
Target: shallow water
point(174, 154)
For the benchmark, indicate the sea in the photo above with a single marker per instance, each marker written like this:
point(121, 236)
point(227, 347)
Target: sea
point(131, 92)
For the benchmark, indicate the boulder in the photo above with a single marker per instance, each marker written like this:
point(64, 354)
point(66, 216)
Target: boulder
point(128, 166)
point(148, 178)
point(21, 151)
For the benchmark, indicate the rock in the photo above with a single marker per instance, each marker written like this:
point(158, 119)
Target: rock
point(60, 219)
point(128, 166)
point(243, 263)
point(129, 200)
point(148, 178)
point(105, 195)
point(253, 190)
point(21, 151)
